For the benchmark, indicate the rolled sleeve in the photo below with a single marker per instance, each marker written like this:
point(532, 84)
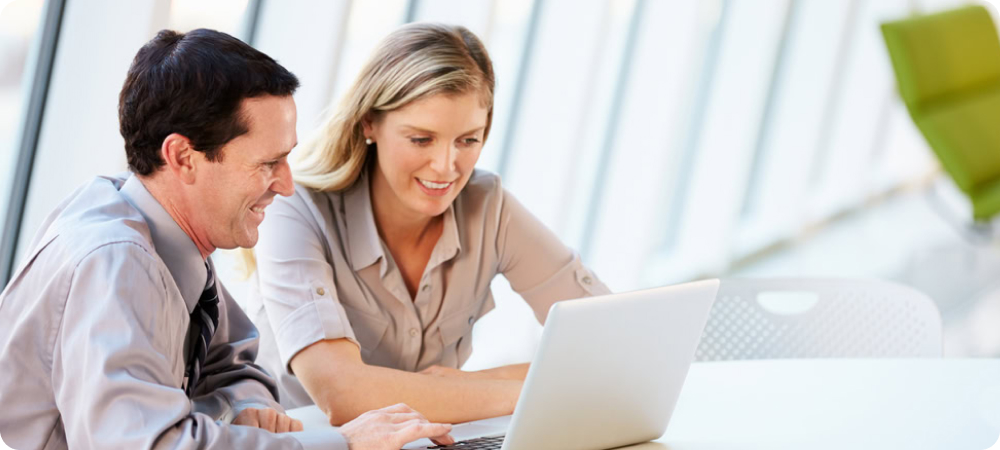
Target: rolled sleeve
point(571, 281)
point(538, 265)
point(296, 282)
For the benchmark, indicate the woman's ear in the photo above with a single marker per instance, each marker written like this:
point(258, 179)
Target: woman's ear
point(367, 125)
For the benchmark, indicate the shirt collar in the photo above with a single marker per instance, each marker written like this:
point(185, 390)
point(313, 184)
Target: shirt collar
point(362, 235)
point(172, 244)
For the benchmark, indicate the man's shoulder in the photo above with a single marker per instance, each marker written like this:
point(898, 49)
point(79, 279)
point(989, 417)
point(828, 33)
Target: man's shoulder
point(96, 215)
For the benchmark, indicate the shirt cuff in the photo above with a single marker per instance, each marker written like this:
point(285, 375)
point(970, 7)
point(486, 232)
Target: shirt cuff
point(571, 282)
point(321, 439)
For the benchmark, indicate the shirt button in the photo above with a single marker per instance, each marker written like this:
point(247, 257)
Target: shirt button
point(320, 291)
point(426, 288)
point(414, 332)
point(587, 280)
point(472, 320)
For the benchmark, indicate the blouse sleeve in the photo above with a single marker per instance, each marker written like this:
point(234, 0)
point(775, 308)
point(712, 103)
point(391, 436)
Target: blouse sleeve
point(537, 264)
point(296, 280)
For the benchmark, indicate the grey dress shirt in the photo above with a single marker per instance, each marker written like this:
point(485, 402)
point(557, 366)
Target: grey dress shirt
point(94, 330)
point(324, 273)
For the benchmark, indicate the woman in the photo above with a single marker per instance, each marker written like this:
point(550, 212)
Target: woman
point(371, 276)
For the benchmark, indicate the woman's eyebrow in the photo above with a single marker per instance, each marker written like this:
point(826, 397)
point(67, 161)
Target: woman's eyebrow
point(418, 129)
point(423, 130)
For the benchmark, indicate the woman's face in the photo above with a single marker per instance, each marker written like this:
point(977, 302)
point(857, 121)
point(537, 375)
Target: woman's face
point(426, 152)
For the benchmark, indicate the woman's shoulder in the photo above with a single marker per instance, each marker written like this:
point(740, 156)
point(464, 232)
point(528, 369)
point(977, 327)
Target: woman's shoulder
point(482, 184)
point(483, 196)
point(305, 203)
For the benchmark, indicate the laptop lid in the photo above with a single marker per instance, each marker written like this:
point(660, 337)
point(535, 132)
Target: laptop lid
point(609, 369)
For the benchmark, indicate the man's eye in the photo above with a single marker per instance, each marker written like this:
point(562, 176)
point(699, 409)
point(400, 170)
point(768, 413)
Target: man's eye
point(271, 164)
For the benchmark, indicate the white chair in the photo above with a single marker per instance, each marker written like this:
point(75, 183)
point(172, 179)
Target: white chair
point(819, 318)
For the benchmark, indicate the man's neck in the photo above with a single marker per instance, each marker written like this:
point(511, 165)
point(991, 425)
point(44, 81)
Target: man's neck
point(175, 207)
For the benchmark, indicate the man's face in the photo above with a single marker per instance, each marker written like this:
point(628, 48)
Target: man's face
point(230, 194)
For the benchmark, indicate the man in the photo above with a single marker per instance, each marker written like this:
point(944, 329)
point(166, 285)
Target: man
point(114, 332)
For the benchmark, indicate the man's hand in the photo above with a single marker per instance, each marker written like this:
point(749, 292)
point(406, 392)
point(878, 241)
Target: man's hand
point(267, 419)
point(391, 428)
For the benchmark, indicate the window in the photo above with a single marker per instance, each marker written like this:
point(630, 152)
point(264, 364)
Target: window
point(20, 22)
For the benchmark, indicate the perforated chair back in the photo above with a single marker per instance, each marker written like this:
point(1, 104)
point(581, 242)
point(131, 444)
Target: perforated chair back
point(819, 318)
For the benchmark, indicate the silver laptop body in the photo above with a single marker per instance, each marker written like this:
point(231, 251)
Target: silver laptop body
point(607, 373)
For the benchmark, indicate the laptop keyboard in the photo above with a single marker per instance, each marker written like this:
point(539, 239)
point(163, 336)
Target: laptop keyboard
point(483, 443)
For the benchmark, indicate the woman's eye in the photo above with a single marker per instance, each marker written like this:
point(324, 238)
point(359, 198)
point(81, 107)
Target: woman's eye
point(471, 141)
point(421, 140)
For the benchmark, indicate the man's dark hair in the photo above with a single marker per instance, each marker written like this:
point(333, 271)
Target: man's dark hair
point(193, 84)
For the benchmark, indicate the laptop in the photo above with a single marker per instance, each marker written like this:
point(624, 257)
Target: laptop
point(607, 373)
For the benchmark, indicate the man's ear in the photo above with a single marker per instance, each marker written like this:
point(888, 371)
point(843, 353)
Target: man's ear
point(180, 157)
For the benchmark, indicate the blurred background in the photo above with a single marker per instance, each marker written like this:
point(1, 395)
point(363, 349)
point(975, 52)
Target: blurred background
point(664, 140)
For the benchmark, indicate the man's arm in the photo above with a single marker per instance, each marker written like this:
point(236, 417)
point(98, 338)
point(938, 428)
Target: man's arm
point(116, 371)
point(230, 381)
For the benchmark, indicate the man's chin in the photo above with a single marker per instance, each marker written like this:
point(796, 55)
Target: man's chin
point(246, 239)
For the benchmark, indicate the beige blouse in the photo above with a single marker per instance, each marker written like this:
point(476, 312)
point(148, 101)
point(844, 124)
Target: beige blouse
point(324, 273)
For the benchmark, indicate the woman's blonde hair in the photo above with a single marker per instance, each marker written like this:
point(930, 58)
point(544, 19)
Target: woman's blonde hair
point(414, 62)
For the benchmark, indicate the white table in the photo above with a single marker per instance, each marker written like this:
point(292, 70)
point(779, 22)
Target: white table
point(829, 404)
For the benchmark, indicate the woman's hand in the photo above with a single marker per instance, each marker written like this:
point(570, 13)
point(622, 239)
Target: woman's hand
point(391, 428)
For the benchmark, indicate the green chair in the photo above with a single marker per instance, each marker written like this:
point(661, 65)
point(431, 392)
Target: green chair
point(948, 69)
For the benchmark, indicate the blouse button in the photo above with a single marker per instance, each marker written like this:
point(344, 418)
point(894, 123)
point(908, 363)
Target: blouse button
point(414, 332)
point(320, 291)
point(586, 280)
point(426, 288)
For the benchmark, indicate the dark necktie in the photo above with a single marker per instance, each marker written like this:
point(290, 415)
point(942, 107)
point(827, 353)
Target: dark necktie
point(204, 320)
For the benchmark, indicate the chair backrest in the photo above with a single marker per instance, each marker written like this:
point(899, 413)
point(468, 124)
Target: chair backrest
point(819, 318)
point(941, 56)
point(947, 66)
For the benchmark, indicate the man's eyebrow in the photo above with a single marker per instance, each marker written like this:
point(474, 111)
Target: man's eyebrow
point(282, 155)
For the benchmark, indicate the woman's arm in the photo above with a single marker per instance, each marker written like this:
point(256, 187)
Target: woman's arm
point(512, 372)
point(537, 264)
point(344, 387)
